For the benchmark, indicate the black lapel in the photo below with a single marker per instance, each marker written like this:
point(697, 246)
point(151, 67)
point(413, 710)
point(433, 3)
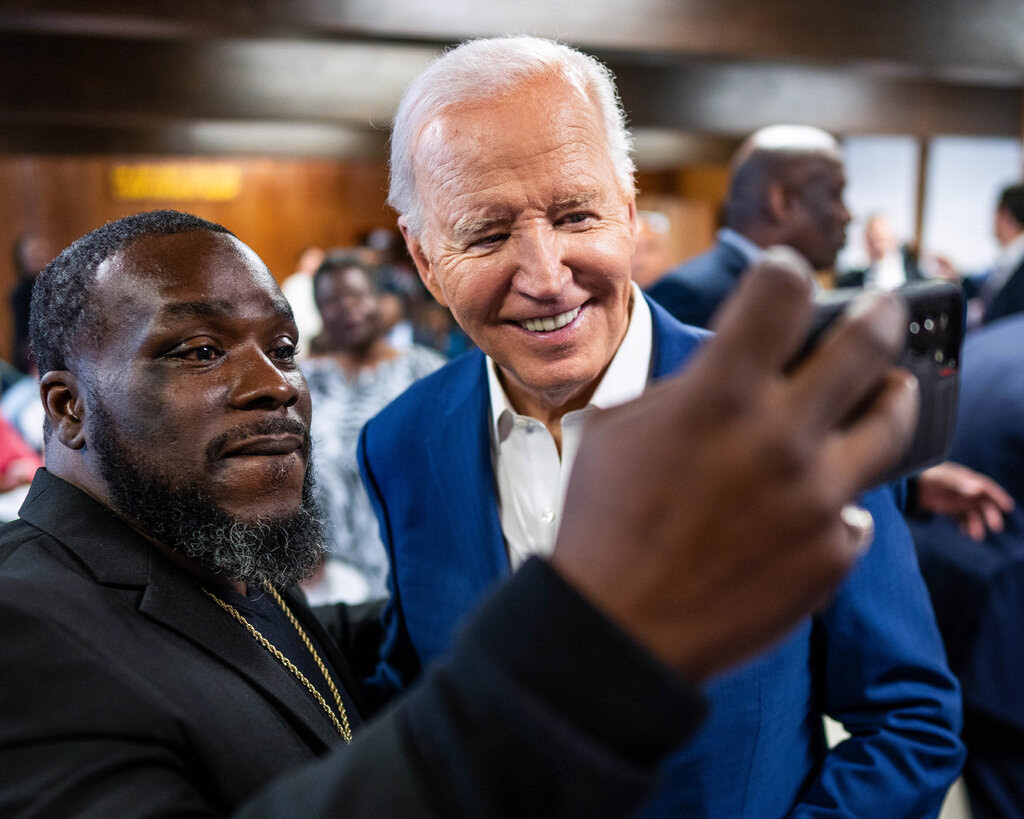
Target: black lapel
point(117, 556)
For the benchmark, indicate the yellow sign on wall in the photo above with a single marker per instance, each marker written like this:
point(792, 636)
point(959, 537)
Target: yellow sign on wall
point(177, 181)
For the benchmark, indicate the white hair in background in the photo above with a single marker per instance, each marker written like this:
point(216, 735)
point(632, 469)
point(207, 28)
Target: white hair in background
point(794, 140)
point(484, 69)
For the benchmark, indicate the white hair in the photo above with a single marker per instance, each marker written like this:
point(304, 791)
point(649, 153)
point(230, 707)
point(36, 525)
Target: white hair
point(792, 141)
point(479, 70)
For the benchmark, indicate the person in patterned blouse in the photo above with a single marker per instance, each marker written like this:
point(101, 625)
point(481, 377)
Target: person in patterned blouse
point(358, 373)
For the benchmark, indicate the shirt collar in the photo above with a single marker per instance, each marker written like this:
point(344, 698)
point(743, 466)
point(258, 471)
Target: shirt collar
point(625, 378)
point(748, 249)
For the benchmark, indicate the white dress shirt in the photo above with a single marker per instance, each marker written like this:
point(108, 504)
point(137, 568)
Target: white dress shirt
point(530, 476)
point(888, 273)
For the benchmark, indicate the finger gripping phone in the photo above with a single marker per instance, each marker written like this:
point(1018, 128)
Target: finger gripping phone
point(935, 315)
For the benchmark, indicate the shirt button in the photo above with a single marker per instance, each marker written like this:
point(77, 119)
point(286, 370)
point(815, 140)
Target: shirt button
point(548, 516)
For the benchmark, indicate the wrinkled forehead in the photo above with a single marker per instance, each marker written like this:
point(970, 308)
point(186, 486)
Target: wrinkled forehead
point(544, 132)
point(537, 107)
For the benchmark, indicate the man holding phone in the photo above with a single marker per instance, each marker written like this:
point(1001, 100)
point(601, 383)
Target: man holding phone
point(511, 175)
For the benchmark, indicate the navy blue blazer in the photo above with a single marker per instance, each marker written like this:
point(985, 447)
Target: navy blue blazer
point(873, 659)
point(978, 588)
point(692, 291)
point(1009, 299)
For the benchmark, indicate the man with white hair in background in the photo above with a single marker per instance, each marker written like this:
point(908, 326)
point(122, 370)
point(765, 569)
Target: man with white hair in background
point(512, 178)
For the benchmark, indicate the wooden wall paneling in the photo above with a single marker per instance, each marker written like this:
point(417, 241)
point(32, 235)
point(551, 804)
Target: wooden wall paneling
point(283, 206)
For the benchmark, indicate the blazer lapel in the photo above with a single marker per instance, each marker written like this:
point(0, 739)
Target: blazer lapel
point(175, 600)
point(118, 556)
point(672, 343)
point(459, 454)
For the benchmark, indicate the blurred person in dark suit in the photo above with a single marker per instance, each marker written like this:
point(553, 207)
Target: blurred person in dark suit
point(1001, 291)
point(978, 588)
point(31, 253)
point(786, 188)
point(890, 264)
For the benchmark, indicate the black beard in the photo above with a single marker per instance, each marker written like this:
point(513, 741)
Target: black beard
point(276, 552)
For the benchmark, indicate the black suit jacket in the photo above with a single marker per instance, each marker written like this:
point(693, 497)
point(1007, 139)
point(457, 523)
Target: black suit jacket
point(693, 291)
point(127, 692)
point(1009, 299)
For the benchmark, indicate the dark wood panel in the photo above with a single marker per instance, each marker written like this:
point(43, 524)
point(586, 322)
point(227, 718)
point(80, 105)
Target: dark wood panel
point(61, 134)
point(281, 208)
point(146, 79)
point(736, 98)
point(112, 95)
point(944, 35)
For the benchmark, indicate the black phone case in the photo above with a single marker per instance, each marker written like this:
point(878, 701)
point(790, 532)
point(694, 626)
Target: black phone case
point(931, 352)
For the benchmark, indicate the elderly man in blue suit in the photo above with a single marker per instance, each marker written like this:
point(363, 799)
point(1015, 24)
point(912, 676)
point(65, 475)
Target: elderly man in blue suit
point(512, 178)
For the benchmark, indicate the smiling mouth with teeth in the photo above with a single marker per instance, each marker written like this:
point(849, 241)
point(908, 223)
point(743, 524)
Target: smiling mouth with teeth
point(549, 323)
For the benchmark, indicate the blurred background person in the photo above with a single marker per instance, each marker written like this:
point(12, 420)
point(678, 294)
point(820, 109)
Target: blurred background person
point(21, 408)
point(978, 588)
point(1000, 292)
point(21, 411)
point(890, 263)
point(786, 188)
point(298, 289)
point(651, 254)
point(31, 253)
point(356, 375)
point(18, 464)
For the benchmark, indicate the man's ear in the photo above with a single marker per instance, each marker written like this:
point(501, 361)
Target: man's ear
point(64, 407)
point(778, 202)
point(423, 265)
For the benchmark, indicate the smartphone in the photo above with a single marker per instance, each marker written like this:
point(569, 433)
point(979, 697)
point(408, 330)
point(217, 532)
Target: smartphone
point(935, 317)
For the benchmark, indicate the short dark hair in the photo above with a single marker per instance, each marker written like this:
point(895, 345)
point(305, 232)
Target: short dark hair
point(747, 201)
point(337, 261)
point(58, 316)
point(1011, 199)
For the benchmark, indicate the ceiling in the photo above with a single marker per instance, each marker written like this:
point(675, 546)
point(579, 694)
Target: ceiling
point(322, 78)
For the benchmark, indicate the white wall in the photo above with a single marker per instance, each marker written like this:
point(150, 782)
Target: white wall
point(962, 182)
point(881, 176)
point(962, 186)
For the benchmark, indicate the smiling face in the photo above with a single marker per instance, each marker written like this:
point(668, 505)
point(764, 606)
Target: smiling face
point(194, 373)
point(528, 238)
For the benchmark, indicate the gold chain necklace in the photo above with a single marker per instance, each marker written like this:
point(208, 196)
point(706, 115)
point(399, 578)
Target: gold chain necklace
point(340, 725)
